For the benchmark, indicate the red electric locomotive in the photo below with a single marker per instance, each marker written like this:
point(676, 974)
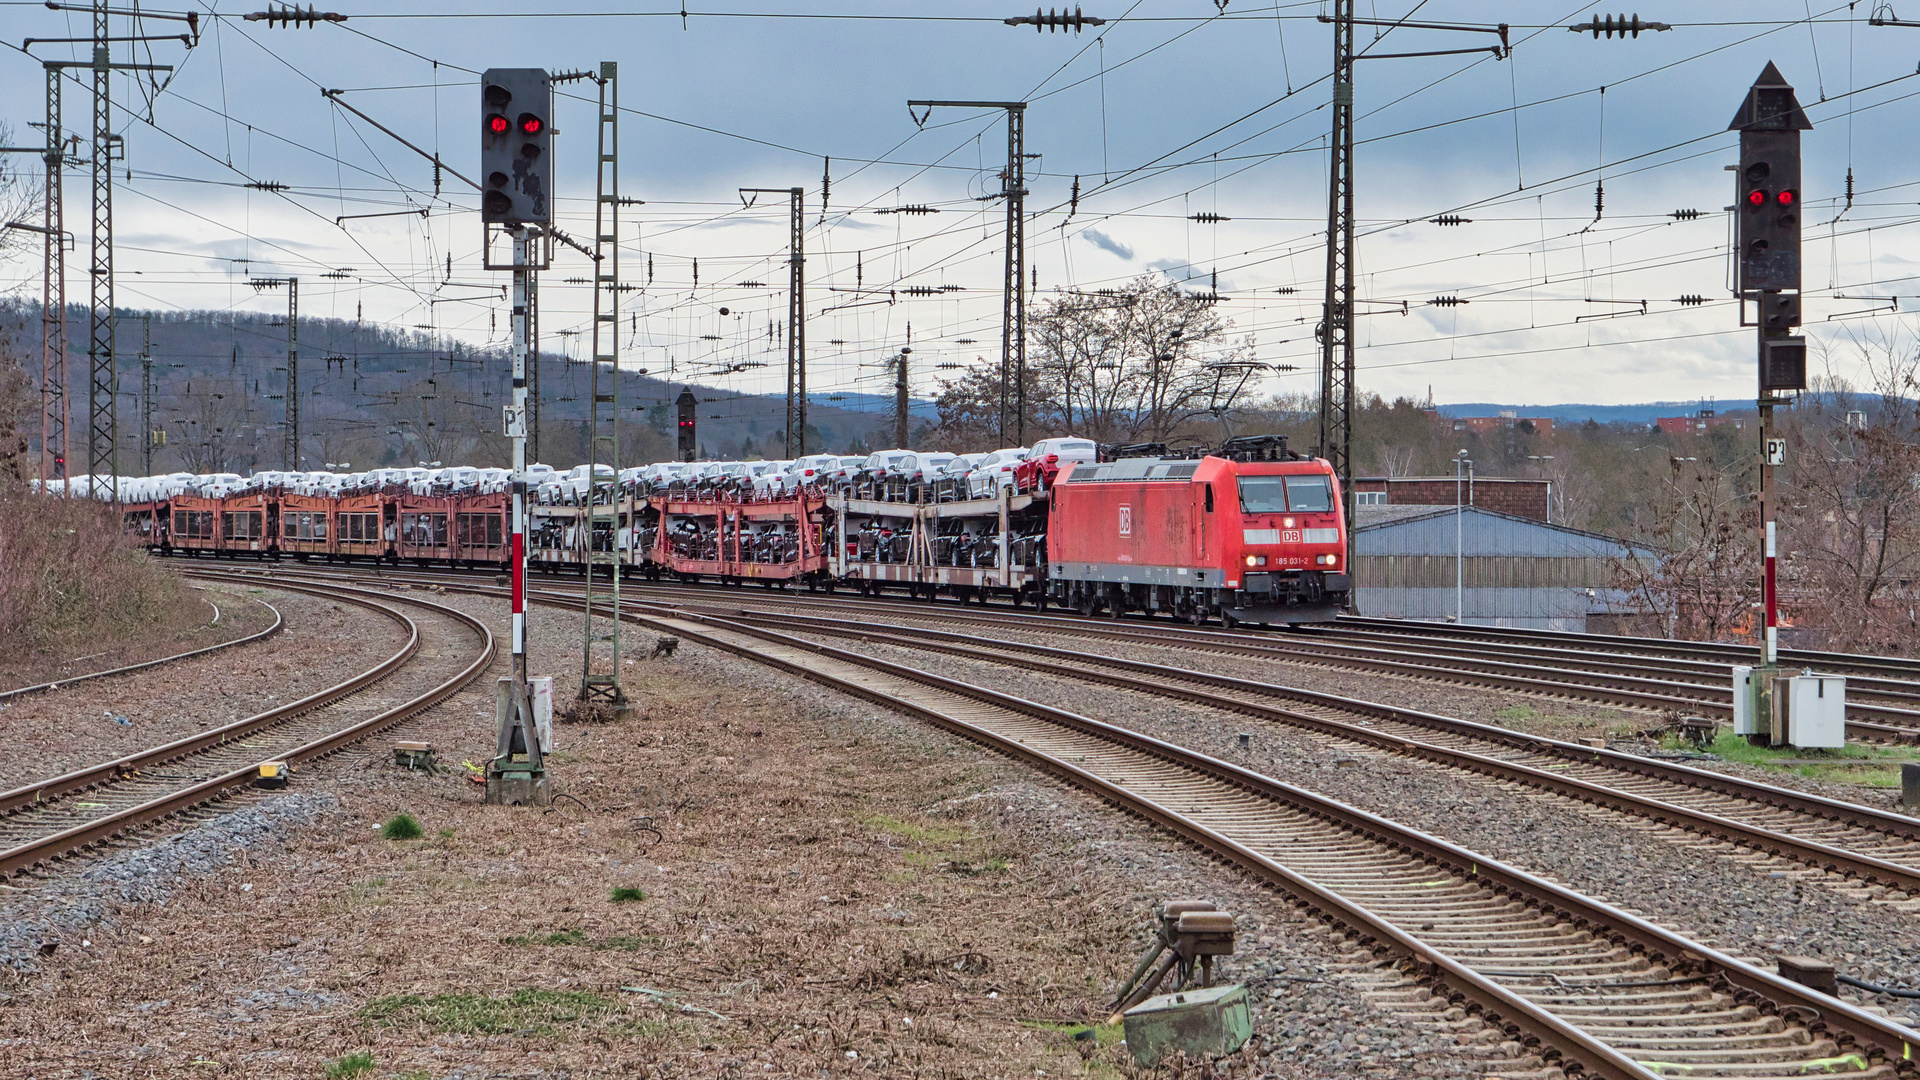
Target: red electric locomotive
point(1251, 534)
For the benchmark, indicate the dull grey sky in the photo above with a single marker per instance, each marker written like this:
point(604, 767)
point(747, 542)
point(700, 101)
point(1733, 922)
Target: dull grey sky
point(1174, 109)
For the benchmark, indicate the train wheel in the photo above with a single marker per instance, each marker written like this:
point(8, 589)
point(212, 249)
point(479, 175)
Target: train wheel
point(1227, 620)
point(1088, 605)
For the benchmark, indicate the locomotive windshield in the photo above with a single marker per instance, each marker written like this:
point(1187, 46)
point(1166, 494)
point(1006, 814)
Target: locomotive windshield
point(1262, 495)
point(1307, 494)
point(1278, 494)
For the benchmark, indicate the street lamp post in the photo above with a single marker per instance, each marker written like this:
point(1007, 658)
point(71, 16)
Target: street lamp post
point(1459, 539)
point(1546, 457)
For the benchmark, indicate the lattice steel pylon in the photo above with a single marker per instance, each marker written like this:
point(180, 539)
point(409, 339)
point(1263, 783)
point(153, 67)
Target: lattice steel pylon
point(103, 419)
point(54, 412)
point(1336, 325)
point(1013, 315)
point(605, 630)
point(797, 324)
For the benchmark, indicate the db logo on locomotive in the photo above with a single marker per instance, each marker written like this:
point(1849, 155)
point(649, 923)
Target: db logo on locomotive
point(1126, 521)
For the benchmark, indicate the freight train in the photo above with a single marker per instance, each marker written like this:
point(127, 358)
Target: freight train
point(1250, 532)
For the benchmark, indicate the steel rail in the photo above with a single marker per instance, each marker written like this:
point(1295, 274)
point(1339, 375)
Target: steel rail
point(1887, 724)
point(1876, 1039)
point(1845, 663)
point(1564, 1042)
point(1072, 665)
point(1891, 690)
point(41, 791)
point(46, 848)
point(278, 622)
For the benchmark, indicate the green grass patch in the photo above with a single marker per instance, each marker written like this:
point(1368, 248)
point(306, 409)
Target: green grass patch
point(402, 827)
point(917, 832)
point(1103, 1034)
point(1522, 711)
point(616, 943)
point(533, 1012)
point(360, 1061)
point(626, 894)
point(446, 834)
point(1855, 763)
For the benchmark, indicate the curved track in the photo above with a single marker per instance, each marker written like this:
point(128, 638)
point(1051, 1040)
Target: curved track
point(1590, 989)
point(278, 623)
point(444, 650)
point(1872, 846)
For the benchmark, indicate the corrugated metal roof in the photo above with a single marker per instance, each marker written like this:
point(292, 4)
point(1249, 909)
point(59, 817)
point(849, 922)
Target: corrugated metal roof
point(1431, 530)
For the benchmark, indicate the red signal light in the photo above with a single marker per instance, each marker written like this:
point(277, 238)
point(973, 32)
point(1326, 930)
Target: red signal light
point(1785, 198)
point(1758, 198)
point(497, 124)
point(530, 124)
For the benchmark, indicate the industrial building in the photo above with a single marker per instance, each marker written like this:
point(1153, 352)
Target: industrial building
point(1486, 568)
point(1521, 497)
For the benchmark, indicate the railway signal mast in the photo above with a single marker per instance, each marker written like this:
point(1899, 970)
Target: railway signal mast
point(1767, 272)
point(516, 173)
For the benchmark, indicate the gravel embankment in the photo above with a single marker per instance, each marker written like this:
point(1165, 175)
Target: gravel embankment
point(1751, 910)
point(814, 853)
point(1555, 717)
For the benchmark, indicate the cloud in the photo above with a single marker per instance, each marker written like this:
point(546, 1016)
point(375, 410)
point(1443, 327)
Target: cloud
point(1107, 244)
point(1181, 272)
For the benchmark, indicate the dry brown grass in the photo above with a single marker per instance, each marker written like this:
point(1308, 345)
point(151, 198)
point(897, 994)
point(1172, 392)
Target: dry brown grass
point(71, 583)
point(824, 895)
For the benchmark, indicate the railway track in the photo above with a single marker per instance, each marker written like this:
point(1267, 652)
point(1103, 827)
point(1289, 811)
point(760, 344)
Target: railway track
point(1580, 985)
point(1881, 708)
point(1891, 667)
point(1583, 986)
point(128, 669)
point(444, 650)
point(1866, 845)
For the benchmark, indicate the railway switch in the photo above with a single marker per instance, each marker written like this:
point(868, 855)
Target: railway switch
point(1188, 934)
point(416, 756)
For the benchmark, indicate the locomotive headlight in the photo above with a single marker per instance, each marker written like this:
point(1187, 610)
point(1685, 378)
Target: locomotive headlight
point(1286, 523)
point(1256, 560)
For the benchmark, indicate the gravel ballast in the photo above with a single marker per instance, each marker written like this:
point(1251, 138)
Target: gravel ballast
point(1742, 904)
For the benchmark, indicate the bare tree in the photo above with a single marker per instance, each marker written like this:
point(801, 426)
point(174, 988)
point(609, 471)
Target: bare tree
point(1132, 364)
point(1703, 585)
point(19, 198)
point(1850, 507)
point(207, 427)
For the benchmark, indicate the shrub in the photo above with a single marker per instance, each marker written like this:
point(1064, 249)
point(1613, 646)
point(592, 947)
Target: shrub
point(402, 827)
point(623, 894)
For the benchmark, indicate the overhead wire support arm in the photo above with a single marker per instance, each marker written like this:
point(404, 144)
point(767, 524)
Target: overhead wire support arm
point(1335, 332)
point(1883, 16)
point(1013, 320)
point(334, 96)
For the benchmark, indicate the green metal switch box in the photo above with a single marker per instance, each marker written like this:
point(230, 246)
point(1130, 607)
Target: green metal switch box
point(1207, 1022)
